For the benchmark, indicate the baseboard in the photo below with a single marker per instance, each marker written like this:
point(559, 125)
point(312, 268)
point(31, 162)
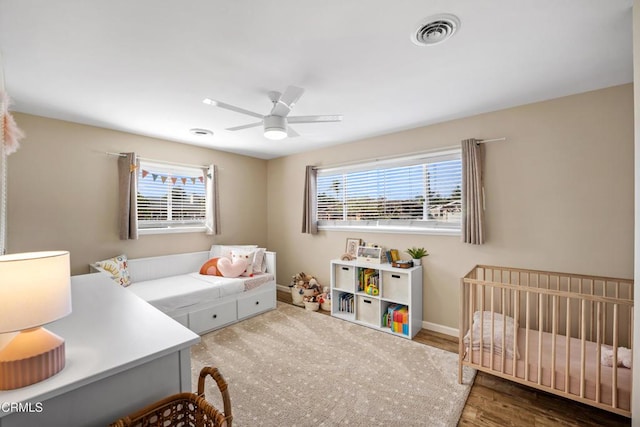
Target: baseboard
point(284, 288)
point(441, 329)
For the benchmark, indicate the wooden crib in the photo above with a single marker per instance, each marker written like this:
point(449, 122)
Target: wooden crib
point(550, 331)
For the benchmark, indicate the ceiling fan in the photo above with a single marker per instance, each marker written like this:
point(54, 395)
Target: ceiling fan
point(276, 123)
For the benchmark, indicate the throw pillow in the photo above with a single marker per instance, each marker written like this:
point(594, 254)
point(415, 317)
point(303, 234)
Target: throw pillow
point(245, 256)
point(258, 260)
point(210, 267)
point(116, 267)
point(232, 269)
point(225, 250)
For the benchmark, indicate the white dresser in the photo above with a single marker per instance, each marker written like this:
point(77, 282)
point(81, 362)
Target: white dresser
point(122, 354)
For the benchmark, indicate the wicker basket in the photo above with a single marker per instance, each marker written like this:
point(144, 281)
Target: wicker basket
point(184, 409)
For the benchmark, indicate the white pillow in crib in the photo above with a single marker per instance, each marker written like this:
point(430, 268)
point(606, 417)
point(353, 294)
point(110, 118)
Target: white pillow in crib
point(498, 322)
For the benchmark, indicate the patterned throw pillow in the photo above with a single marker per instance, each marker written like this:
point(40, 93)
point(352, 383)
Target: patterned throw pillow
point(116, 267)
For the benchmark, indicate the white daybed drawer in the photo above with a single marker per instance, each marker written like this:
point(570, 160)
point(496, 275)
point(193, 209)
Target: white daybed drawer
point(212, 317)
point(256, 303)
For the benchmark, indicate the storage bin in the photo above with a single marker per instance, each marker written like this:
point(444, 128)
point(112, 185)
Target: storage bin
point(368, 310)
point(395, 286)
point(345, 277)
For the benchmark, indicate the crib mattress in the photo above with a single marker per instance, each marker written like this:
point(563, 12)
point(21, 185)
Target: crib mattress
point(623, 375)
point(169, 294)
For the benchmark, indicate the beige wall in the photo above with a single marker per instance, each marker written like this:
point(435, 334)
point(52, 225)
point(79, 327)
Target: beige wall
point(559, 196)
point(63, 193)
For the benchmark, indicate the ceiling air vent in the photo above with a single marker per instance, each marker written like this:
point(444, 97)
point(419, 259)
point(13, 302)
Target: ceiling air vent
point(435, 29)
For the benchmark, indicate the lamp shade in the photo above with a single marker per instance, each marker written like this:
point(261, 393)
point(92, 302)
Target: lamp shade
point(35, 289)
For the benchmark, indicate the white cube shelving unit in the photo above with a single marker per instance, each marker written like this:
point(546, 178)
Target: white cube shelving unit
point(395, 285)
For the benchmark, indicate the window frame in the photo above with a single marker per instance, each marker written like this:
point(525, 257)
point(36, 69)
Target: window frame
point(407, 226)
point(167, 226)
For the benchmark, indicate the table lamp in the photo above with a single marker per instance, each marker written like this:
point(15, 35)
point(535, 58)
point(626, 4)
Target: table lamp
point(35, 289)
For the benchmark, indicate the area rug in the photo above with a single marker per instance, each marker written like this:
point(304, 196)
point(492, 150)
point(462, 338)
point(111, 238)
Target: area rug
point(292, 367)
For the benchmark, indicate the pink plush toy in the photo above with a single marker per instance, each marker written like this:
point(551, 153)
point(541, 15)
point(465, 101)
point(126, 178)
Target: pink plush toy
point(248, 258)
point(230, 268)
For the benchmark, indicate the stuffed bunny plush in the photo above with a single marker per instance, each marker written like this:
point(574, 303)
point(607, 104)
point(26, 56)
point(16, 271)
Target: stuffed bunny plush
point(624, 356)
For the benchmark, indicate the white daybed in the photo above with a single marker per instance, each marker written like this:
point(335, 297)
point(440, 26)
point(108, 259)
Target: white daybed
point(172, 284)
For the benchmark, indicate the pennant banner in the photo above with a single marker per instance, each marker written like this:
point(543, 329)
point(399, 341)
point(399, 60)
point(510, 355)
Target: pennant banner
point(171, 179)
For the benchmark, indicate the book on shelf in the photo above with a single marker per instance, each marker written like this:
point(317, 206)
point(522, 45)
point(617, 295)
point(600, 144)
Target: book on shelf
point(346, 303)
point(367, 277)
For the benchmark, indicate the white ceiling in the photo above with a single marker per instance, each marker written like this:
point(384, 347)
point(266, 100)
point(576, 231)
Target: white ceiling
point(144, 66)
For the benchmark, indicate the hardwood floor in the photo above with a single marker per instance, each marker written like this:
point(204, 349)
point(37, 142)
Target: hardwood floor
point(497, 402)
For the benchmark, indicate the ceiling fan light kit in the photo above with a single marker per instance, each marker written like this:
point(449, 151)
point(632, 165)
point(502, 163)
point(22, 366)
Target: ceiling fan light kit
point(275, 127)
point(275, 123)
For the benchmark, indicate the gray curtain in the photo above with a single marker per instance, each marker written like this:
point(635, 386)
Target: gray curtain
point(212, 210)
point(309, 223)
point(472, 192)
point(128, 166)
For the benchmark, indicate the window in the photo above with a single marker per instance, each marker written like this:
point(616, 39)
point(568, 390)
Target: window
point(404, 195)
point(171, 197)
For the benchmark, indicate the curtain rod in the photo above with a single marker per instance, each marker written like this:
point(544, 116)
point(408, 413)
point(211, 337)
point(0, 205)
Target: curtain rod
point(482, 141)
point(399, 156)
point(156, 160)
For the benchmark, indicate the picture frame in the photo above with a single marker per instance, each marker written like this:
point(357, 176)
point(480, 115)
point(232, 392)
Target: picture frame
point(352, 246)
point(370, 254)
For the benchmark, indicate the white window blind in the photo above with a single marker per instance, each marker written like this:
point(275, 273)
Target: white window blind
point(170, 197)
point(410, 193)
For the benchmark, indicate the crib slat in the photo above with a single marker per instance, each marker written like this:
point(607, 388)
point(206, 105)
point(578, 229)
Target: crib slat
point(583, 347)
point(614, 379)
point(630, 329)
point(591, 302)
point(598, 350)
point(463, 327)
point(471, 309)
point(567, 360)
point(526, 338)
point(540, 342)
point(516, 313)
point(482, 325)
point(554, 333)
point(504, 331)
point(604, 317)
point(492, 328)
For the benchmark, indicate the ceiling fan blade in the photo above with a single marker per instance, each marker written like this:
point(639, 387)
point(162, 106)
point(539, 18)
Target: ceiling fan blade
point(215, 103)
point(291, 133)
point(315, 119)
point(286, 101)
point(251, 125)
point(291, 96)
